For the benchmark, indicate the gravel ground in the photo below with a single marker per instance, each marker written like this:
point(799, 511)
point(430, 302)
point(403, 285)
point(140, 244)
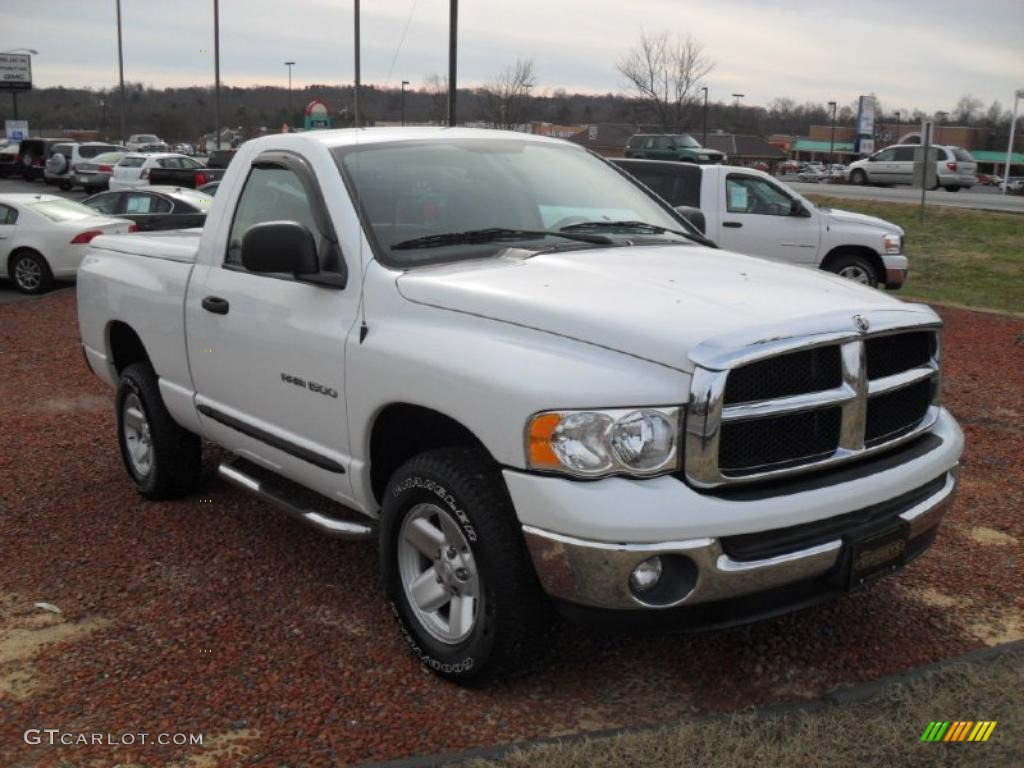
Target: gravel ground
point(216, 615)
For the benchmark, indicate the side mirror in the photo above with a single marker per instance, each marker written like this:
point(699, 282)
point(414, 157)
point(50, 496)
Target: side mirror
point(693, 215)
point(280, 246)
point(796, 208)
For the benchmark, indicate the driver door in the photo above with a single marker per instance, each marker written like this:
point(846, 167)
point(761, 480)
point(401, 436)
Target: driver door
point(757, 221)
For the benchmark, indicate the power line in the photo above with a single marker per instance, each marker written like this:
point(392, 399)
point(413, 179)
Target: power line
point(401, 42)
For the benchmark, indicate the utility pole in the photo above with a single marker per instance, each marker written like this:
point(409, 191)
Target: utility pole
point(704, 141)
point(832, 141)
point(291, 115)
point(738, 96)
point(120, 68)
point(453, 39)
point(1017, 96)
point(216, 71)
point(404, 83)
point(896, 139)
point(355, 93)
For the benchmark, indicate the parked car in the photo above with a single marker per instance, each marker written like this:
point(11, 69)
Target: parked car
point(836, 172)
point(133, 170)
point(534, 389)
point(32, 154)
point(813, 174)
point(43, 237)
point(750, 212)
point(209, 189)
point(790, 166)
point(955, 166)
point(146, 142)
point(183, 172)
point(9, 165)
point(94, 175)
point(154, 208)
point(220, 158)
point(62, 164)
point(680, 147)
point(185, 149)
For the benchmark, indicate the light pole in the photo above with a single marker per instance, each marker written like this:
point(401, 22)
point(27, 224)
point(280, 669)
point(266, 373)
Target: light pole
point(355, 90)
point(120, 69)
point(1017, 96)
point(404, 83)
point(897, 138)
point(453, 39)
point(14, 94)
point(216, 72)
point(290, 64)
point(832, 141)
point(704, 141)
point(738, 96)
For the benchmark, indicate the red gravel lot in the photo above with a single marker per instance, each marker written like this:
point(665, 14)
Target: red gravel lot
point(224, 618)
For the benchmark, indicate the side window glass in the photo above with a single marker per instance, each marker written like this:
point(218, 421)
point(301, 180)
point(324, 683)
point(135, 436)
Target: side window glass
point(8, 215)
point(885, 155)
point(649, 144)
point(270, 194)
point(105, 203)
point(746, 194)
point(904, 154)
point(143, 203)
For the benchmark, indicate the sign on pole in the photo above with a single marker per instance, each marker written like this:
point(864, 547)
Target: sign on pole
point(864, 140)
point(16, 130)
point(15, 72)
point(317, 115)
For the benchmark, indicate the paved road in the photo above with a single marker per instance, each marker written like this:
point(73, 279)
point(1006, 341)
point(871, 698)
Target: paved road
point(8, 293)
point(982, 198)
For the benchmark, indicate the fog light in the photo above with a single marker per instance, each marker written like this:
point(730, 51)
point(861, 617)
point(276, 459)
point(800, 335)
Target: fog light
point(646, 575)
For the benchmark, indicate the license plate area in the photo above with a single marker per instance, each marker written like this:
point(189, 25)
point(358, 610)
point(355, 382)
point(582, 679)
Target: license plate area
point(870, 556)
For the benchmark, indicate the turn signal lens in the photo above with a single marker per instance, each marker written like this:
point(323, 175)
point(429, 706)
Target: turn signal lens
point(540, 452)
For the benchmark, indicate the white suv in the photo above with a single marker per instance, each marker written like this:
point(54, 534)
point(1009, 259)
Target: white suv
point(146, 142)
point(955, 166)
point(64, 157)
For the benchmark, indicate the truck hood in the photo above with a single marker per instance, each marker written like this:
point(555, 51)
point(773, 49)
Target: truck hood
point(848, 217)
point(654, 302)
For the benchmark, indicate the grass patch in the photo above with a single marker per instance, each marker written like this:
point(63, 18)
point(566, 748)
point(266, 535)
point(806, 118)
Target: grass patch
point(883, 730)
point(958, 256)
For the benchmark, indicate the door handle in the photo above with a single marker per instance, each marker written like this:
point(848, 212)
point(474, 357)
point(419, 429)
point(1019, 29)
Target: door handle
point(732, 224)
point(216, 304)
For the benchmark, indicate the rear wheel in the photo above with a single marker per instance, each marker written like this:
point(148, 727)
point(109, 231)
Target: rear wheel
point(854, 267)
point(858, 177)
point(456, 568)
point(162, 458)
point(953, 188)
point(30, 272)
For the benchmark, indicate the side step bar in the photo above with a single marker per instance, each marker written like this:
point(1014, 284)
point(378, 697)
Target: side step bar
point(339, 529)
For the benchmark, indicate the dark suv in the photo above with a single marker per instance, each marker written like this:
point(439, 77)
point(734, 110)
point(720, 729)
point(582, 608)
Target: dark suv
point(32, 154)
point(680, 147)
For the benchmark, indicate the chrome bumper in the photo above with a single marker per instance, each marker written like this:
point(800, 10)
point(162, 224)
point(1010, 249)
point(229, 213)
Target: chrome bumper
point(596, 574)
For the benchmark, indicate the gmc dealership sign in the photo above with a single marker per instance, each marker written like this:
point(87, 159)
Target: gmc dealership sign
point(15, 71)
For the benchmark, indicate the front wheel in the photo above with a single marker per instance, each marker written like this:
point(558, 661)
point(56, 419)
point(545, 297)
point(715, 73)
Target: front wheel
point(456, 569)
point(859, 178)
point(162, 458)
point(854, 267)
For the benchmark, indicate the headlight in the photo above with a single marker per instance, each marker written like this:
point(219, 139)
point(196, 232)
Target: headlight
point(641, 442)
point(893, 244)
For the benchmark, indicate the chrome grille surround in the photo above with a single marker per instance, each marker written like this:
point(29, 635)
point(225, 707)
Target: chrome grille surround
point(715, 358)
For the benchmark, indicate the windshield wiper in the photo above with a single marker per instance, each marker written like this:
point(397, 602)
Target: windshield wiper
point(635, 226)
point(494, 234)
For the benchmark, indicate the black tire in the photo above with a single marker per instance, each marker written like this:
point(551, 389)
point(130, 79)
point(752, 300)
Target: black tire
point(852, 266)
point(176, 453)
point(953, 188)
point(513, 612)
point(65, 185)
point(858, 177)
point(30, 272)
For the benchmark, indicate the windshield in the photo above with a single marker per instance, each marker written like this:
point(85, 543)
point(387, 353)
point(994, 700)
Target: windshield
point(62, 210)
point(686, 140)
point(414, 189)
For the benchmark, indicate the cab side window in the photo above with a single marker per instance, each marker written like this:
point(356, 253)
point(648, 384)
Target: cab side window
point(747, 194)
point(8, 215)
point(269, 194)
point(885, 155)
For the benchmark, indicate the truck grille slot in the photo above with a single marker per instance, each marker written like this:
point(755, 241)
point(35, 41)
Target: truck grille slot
point(896, 413)
point(776, 405)
point(887, 355)
point(778, 441)
point(811, 370)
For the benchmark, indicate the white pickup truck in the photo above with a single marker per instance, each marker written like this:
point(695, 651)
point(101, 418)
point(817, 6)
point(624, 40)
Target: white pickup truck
point(747, 211)
point(521, 374)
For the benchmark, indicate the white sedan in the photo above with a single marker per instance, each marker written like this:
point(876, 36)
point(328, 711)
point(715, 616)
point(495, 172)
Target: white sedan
point(133, 169)
point(43, 237)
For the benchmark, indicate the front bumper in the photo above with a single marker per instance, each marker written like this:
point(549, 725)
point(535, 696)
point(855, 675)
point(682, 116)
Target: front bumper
point(597, 574)
point(896, 269)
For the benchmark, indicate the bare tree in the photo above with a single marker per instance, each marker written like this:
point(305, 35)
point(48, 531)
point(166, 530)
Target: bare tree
point(665, 72)
point(967, 109)
point(507, 96)
point(436, 88)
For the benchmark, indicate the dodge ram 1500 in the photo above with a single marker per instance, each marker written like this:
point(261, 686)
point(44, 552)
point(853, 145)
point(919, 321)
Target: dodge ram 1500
point(526, 378)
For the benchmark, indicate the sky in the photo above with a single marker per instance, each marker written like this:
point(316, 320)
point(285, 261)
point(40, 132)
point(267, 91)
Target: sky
point(911, 53)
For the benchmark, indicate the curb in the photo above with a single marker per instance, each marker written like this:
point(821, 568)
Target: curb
point(838, 697)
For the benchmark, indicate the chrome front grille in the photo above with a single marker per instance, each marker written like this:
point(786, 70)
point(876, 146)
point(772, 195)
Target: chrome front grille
point(789, 400)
